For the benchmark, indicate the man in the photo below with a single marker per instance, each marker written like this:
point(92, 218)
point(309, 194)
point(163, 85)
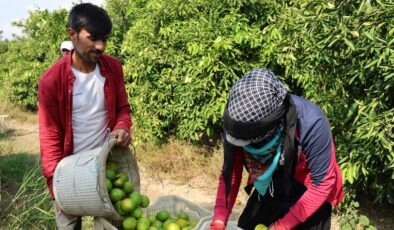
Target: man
point(66, 47)
point(81, 96)
point(285, 144)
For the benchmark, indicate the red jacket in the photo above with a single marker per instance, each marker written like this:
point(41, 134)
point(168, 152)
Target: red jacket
point(55, 89)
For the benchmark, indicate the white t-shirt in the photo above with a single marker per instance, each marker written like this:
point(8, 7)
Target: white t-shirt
point(89, 114)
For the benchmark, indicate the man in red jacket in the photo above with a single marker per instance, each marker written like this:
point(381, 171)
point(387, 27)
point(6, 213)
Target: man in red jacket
point(80, 97)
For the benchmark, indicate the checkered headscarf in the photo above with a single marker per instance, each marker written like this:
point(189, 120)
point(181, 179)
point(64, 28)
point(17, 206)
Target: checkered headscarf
point(256, 97)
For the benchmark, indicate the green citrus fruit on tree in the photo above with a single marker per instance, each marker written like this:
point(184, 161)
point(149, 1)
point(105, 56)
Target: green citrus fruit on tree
point(128, 187)
point(110, 174)
point(108, 184)
point(129, 223)
point(173, 226)
point(162, 215)
point(144, 201)
point(137, 213)
point(136, 196)
point(112, 166)
point(117, 194)
point(183, 215)
point(261, 227)
point(127, 204)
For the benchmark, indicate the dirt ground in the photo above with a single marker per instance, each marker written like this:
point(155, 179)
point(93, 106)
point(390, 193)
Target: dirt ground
point(25, 139)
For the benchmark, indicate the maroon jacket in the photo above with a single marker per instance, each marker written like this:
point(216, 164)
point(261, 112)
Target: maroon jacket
point(55, 89)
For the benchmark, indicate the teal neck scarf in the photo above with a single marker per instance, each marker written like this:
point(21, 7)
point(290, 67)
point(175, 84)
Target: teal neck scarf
point(262, 182)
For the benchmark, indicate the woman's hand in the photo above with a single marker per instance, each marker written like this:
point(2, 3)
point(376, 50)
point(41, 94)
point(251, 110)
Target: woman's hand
point(277, 225)
point(217, 225)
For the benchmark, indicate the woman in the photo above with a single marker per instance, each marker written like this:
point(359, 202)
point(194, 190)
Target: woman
point(285, 144)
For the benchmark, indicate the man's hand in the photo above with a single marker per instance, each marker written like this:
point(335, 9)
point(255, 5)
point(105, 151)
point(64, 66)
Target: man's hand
point(123, 138)
point(217, 225)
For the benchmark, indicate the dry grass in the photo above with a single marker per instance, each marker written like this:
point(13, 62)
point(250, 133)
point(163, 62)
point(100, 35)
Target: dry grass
point(181, 161)
point(17, 113)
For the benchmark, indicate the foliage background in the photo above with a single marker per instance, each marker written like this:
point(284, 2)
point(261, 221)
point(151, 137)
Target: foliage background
point(182, 57)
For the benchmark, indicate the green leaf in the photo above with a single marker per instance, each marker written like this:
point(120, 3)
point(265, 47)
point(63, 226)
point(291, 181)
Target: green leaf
point(349, 44)
point(364, 220)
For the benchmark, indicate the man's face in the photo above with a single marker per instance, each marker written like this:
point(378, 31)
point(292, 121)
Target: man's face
point(88, 47)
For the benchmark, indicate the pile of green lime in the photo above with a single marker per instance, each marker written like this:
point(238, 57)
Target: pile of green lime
point(129, 204)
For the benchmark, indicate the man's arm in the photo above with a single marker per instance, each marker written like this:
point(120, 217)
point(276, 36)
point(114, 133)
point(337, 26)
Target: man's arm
point(50, 131)
point(122, 129)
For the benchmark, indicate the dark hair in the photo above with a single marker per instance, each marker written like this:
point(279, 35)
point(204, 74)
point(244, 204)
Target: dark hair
point(90, 17)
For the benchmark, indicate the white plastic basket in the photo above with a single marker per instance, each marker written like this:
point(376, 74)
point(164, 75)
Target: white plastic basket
point(175, 204)
point(79, 181)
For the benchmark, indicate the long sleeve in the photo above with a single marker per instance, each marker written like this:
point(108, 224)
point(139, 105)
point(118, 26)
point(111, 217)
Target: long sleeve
point(50, 131)
point(221, 211)
point(320, 156)
point(123, 119)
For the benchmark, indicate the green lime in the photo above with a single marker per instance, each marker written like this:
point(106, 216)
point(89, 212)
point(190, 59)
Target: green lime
point(123, 176)
point(182, 223)
point(128, 187)
point(162, 215)
point(109, 185)
point(119, 209)
point(261, 227)
point(112, 166)
point(117, 194)
point(142, 226)
point(144, 201)
point(136, 196)
point(129, 223)
point(127, 205)
point(183, 215)
point(173, 226)
point(137, 213)
point(110, 174)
